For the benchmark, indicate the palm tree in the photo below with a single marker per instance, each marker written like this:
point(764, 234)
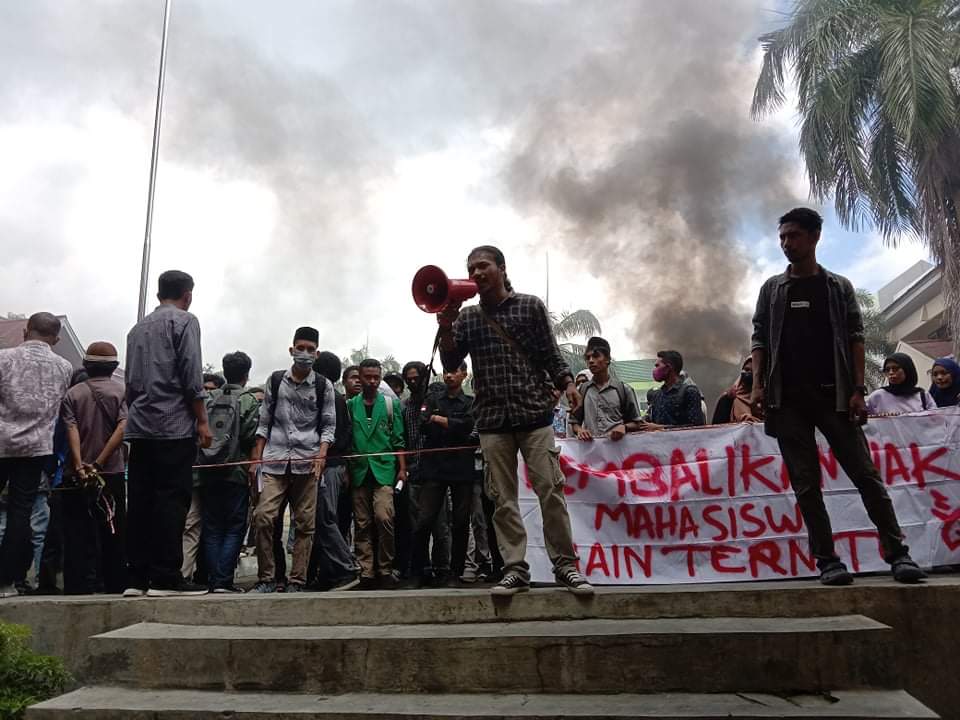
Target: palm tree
point(877, 84)
point(576, 324)
point(878, 347)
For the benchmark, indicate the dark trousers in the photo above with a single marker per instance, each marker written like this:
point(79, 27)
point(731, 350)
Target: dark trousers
point(21, 477)
point(431, 500)
point(404, 518)
point(223, 508)
point(93, 553)
point(160, 482)
point(803, 411)
point(330, 557)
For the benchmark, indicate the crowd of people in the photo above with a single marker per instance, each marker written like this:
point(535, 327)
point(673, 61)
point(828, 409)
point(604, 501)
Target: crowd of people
point(158, 483)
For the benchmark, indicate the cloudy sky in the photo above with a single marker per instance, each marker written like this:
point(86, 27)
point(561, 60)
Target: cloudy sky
point(315, 154)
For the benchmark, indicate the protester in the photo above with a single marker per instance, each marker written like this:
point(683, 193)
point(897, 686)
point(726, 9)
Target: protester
point(166, 416)
point(94, 503)
point(297, 426)
point(808, 360)
point(415, 377)
point(33, 382)
point(447, 423)
point(351, 382)
point(678, 402)
point(377, 430)
point(734, 405)
point(212, 381)
point(900, 394)
point(609, 406)
point(332, 565)
point(509, 337)
point(234, 415)
point(945, 389)
point(395, 382)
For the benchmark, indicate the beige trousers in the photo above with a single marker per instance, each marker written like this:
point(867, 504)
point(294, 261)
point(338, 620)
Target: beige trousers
point(373, 503)
point(541, 455)
point(301, 490)
point(191, 536)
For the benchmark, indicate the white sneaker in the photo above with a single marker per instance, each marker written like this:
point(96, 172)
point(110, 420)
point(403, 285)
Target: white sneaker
point(134, 592)
point(8, 591)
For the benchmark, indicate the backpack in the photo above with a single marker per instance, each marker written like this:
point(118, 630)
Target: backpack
point(276, 377)
point(223, 414)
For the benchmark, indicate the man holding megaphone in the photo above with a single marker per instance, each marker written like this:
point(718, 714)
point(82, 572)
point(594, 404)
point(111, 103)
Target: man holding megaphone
point(516, 364)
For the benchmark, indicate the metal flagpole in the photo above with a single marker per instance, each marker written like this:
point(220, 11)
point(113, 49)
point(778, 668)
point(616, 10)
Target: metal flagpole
point(145, 265)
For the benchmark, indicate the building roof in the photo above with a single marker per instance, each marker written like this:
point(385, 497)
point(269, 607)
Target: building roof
point(901, 283)
point(933, 349)
point(633, 371)
point(69, 347)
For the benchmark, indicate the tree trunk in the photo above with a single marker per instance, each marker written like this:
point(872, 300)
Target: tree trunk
point(951, 279)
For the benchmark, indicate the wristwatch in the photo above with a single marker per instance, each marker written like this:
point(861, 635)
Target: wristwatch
point(862, 389)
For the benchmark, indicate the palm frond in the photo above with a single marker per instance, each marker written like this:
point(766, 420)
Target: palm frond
point(579, 323)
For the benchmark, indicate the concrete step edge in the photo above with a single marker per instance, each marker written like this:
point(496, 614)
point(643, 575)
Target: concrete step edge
point(115, 702)
point(146, 631)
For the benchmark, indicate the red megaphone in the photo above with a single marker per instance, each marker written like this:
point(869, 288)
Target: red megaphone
point(433, 291)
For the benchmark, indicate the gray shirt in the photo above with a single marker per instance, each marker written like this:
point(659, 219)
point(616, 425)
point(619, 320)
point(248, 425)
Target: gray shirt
point(295, 434)
point(33, 381)
point(606, 407)
point(164, 375)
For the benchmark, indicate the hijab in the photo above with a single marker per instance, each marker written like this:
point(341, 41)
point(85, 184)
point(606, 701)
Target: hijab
point(948, 396)
point(909, 385)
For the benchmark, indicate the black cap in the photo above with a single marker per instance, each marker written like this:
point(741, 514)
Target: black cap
point(598, 343)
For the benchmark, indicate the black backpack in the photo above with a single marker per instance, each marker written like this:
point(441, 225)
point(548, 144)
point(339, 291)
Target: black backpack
point(276, 377)
point(223, 414)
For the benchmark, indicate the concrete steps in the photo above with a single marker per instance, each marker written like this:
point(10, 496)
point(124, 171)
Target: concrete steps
point(108, 703)
point(700, 655)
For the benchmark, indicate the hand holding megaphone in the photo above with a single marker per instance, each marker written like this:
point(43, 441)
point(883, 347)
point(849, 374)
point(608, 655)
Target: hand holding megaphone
point(433, 292)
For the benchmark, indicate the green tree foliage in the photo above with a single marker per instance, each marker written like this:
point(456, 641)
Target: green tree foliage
point(877, 86)
point(574, 325)
point(26, 677)
point(878, 347)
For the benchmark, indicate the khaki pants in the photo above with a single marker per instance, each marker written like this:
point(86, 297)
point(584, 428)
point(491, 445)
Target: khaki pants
point(541, 455)
point(373, 503)
point(191, 536)
point(301, 491)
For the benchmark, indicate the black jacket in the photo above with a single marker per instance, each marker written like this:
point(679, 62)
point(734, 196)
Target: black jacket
point(453, 467)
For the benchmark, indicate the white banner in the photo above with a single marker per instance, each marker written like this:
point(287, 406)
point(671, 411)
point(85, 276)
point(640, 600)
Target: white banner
point(714, 504)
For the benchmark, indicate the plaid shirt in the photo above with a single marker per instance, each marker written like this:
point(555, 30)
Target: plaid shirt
point(511, 392)
point(411, 425)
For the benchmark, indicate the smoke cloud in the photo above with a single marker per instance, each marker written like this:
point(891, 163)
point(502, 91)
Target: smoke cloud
point(645, 160)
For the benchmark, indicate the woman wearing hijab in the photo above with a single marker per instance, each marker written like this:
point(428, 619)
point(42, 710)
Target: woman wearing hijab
point(900, 394)
point(946, 382)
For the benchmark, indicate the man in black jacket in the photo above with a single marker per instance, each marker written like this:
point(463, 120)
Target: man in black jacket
point(446, 423)
point(332, 565)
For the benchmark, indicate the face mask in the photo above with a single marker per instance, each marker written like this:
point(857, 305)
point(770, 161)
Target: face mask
point(746, 379)
point(660, 373)
point(303, 359)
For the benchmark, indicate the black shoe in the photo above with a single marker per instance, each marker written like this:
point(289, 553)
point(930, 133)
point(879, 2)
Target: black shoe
point(905, 570)
point(574, 581)
point(389, 582)
point(366, 583)
point(510, 585)
point(835, 573)
point(347, 582)
point(184, 588)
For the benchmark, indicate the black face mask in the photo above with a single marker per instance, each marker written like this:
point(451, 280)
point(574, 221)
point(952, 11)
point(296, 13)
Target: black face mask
point(746, 379)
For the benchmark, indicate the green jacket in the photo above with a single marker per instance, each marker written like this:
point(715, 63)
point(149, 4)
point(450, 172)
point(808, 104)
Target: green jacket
point(374, 435)
point(249, 419)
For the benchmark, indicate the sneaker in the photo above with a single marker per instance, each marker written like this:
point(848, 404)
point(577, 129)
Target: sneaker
point(132, 592)
point(389, 582)
point(836, 573)
point(574, 582)
point(8, 591)
point(229, 589)
point(347, 582)
point(294, 587)
point(264, 587)
point(366, 583)
point(184, 588)
point(510, 585)
point(905, 570)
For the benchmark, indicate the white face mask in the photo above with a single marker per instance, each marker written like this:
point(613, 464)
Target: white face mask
point(303, 358)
